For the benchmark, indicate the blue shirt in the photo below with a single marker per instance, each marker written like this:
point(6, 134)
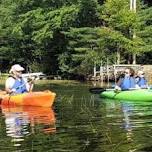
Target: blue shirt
point(127, 83)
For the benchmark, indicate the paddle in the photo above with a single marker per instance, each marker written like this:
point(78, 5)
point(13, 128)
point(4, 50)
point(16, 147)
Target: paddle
point(99, 90)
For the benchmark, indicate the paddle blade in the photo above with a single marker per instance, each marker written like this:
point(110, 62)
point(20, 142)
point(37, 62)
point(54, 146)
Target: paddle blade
point(97, 90)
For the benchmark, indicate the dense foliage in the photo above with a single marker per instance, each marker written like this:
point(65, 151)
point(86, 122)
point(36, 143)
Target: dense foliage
point(69, 36)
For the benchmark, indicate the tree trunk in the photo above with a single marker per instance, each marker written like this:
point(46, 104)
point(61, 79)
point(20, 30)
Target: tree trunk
point(129, 61)
point(134, 58)
point(118, 56)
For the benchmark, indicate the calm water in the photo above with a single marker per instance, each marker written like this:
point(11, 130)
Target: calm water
point(78, 122)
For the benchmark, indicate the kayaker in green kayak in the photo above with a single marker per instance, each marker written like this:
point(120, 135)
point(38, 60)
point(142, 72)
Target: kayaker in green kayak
point(127, 81)
point(141, 80)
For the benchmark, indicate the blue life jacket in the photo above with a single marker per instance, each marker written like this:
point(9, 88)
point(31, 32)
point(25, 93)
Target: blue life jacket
point(142, 82)
point(127, 83)
point(20, 86)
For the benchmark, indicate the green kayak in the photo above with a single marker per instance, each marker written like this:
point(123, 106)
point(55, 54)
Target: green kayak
point(130, 95)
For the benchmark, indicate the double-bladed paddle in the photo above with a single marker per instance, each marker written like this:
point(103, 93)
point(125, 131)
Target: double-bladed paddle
point(98, 90)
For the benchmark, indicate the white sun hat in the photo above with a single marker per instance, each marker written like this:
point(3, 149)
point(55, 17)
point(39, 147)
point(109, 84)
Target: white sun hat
point(16, 67)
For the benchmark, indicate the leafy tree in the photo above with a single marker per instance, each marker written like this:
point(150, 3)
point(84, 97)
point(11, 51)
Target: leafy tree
point(117, 17)
point(113, 39)
point(72, 35)
point(33, 27)
point(145, 33)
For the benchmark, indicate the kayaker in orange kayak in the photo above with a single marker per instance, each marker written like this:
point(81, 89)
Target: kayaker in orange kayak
point(15, 83)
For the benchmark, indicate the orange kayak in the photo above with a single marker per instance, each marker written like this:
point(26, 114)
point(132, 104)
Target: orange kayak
point(41, 99)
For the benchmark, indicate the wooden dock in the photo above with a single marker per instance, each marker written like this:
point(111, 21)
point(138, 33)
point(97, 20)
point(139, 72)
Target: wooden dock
point(111, 72)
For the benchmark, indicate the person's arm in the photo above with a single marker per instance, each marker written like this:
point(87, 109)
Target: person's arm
point(29, 84)
point(119, 82)
point(117, 87)
point(9, 84)
point(146, 84)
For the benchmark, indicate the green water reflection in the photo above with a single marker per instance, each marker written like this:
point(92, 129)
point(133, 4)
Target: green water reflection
point(78, 122)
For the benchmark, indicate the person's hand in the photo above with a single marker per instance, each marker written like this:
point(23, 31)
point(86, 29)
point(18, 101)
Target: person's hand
point(137, 86)
point(117, 88)
point(31, 80)
point(12, 91)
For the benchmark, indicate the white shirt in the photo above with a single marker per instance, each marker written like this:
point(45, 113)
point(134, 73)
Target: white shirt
point(11, 81)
